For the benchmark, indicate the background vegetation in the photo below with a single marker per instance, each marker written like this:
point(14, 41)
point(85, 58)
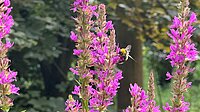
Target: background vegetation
point(43, 51)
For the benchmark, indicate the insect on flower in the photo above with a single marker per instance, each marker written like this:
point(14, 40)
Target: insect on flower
point(124, 53)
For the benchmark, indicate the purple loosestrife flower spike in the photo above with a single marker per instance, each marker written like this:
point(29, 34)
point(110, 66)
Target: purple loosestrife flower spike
point(140, 102)
point(7, 76)
point(72, 105)
point(182, 53)
point(151, 94)
point(98, 80)
point(105, 56)
point(83, 38)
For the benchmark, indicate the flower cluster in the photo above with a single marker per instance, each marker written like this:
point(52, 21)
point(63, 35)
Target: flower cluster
point(183, 52)
point(139, 99)
point(97, 56)
point(105, 55)
point(6, 20)
point(140, 102)
point(6, 75)
point(182, 49)
point(72, 105)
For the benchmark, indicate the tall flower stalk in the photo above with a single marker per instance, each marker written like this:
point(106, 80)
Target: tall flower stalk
point(98, 80)
point(140, 101)
point(183, 52)
point(151, 94)
point(7, 76)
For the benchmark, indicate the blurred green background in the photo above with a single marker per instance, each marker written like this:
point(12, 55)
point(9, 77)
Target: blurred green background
point(42, 53)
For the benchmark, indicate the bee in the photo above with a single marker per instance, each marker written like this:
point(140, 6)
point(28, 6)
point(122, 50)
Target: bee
point(124, 53)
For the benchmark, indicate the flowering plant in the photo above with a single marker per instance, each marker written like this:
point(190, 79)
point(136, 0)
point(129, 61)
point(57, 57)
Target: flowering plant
point(97, 56)
point(140, 101)
point(7, 76)
point(183, 52)
point(97, 52)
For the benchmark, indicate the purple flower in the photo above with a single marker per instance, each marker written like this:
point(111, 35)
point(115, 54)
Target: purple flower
point(169, 76)
point(134, 89)
point(14, 89)
point(118, 75)
point(193, 18)
point(184, 107)
point(8, 44)
point(7, 3)
point(73, 36)
point(190, 30)
point(77, 52)
point(167, 107)
point(156, 109)
point(189, 84)
point(109, 25)
point(7, 77)
point(74, 71)
point(93, 8)
point(76, 90)
point(176, 22)
point(78, 4)
point(100, 34)
point(72, 105)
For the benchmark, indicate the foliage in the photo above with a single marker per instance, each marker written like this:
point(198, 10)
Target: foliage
point(148, 19)
point(40, 36)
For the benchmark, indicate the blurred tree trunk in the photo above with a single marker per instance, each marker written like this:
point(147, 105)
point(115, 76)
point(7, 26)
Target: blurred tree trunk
point(50, 77)
point(132, 71)
point(56, 72)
